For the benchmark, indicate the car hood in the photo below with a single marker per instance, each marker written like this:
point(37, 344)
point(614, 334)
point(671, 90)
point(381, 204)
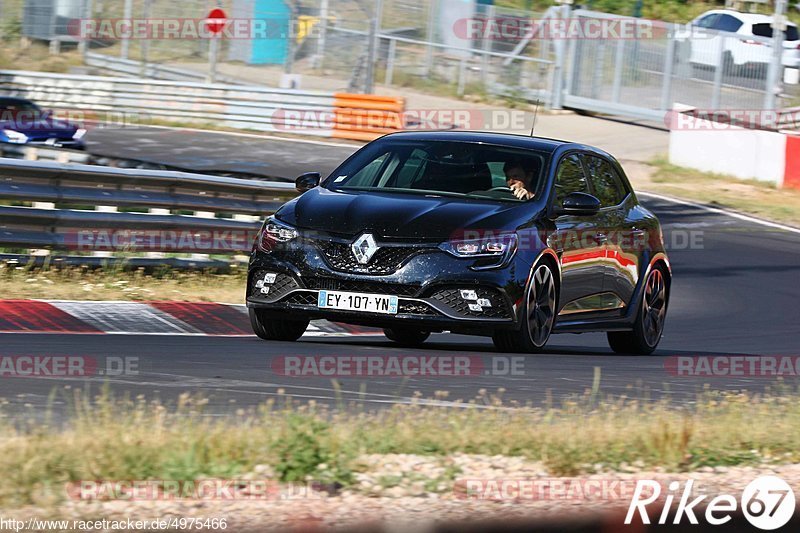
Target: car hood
point(403, 216)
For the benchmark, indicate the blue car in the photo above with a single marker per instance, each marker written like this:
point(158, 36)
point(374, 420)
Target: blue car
point(24, 123)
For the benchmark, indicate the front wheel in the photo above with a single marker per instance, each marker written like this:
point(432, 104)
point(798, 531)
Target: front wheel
point(650, 319)
point(406, 336)
point(271, 329)
point(538, 316)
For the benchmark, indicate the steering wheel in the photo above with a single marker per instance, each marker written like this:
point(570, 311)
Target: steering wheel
point(504, 188)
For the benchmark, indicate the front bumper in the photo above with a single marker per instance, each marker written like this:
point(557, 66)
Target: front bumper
point(428, 284)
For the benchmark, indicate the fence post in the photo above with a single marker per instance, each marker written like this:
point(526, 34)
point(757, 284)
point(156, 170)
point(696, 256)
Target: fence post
point(323, 31)
point(431, 33)
point(85, 40)
point(125, 45)
point(717, 90)
point(144, 45)
point(599, 63)
point(373, 45)
point(390, 62)
point(557, 91)
point(157, 211)
point(462, 71)
point(669, 63)
point(619, 57)
point(776, 64)
point(104, 209)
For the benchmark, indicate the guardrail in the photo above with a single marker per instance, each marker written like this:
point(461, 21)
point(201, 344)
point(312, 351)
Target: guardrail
point(319, 113)
point(77, 208)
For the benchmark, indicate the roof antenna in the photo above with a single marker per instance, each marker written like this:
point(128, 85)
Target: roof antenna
point(535, 113)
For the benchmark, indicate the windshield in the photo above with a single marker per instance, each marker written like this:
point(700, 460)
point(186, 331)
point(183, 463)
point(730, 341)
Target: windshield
point(444, 167)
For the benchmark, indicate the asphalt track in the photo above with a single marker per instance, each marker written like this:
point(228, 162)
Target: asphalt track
point(735, 292)
point(208, 151)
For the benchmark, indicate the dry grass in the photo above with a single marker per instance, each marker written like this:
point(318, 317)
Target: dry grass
point(135, 439)
point(117, 284)
point(746, 196)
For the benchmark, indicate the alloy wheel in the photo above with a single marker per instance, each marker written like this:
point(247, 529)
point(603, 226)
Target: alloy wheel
point(654, 308)
point(541, 305)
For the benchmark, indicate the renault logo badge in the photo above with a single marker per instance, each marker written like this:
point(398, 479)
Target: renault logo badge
point(364, 248)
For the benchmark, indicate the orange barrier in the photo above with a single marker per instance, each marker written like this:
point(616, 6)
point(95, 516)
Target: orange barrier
point(364, 117)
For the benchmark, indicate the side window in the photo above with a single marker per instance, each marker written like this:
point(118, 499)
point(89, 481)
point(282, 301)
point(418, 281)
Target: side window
point(728, 23)
point(606, 182)
point(708, 21)
point(569, 178)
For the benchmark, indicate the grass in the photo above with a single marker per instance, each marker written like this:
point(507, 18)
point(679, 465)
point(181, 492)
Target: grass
point(19, 281)
point(133, 439)
point(747, 196)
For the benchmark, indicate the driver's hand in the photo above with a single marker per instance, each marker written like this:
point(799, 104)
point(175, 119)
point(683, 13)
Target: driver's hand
point(520, 192)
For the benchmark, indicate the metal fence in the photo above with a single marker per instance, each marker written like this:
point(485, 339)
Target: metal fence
point(423, 44)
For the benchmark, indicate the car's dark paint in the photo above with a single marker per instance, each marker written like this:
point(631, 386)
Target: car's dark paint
point(39, 129)
point(600, 280)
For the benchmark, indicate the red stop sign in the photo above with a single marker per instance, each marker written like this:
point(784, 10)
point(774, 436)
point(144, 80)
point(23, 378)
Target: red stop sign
point(216, 20)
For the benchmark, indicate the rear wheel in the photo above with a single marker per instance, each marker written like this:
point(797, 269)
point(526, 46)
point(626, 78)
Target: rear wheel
point(539, 315)
point(650, 319)
point(271, 329)
point(406, 336)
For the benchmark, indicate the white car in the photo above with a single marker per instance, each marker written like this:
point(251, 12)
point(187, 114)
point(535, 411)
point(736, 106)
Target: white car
point(747, 41)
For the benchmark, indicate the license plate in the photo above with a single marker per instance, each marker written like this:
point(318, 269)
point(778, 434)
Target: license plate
point(354, 301)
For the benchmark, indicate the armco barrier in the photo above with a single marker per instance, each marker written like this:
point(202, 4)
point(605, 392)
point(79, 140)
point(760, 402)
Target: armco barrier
point(257, 108)
point(53, 187)
point(743, 152)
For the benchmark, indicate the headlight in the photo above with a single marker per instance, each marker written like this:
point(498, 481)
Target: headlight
point(79, 133)
point(501, 246)
point(15, 137)
point(275, 232)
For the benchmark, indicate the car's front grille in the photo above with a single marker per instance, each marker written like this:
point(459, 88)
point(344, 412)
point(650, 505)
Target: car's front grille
point(415, 308)
point(333, 284)
point(452, 298)
point(283, 284)
point(386, 260)
point(301, 298)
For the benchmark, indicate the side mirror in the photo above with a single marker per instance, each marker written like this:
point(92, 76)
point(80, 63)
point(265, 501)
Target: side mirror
point(579, 204)
point(306, 182)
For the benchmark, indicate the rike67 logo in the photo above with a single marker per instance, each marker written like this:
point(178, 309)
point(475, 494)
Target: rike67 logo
point(768, 503)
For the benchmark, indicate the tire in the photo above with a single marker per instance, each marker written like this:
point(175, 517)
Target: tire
point(650, 317)
point(408, 337)
point(538, 312)
point(271, 329)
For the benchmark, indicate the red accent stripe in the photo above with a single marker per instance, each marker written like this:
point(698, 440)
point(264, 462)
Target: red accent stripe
point(210, 318)
point(34, 316)
point(791, 174)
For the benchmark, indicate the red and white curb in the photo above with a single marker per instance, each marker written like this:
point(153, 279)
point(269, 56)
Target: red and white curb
point(143, 318)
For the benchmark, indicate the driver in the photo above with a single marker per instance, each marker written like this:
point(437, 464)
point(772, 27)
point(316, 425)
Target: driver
point(519, 178)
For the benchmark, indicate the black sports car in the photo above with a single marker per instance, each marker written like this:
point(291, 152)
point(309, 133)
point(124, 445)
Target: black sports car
point(506, 236)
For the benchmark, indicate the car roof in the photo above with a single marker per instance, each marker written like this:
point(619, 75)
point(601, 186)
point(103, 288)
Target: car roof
point(544, 144)
point(748, 18)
